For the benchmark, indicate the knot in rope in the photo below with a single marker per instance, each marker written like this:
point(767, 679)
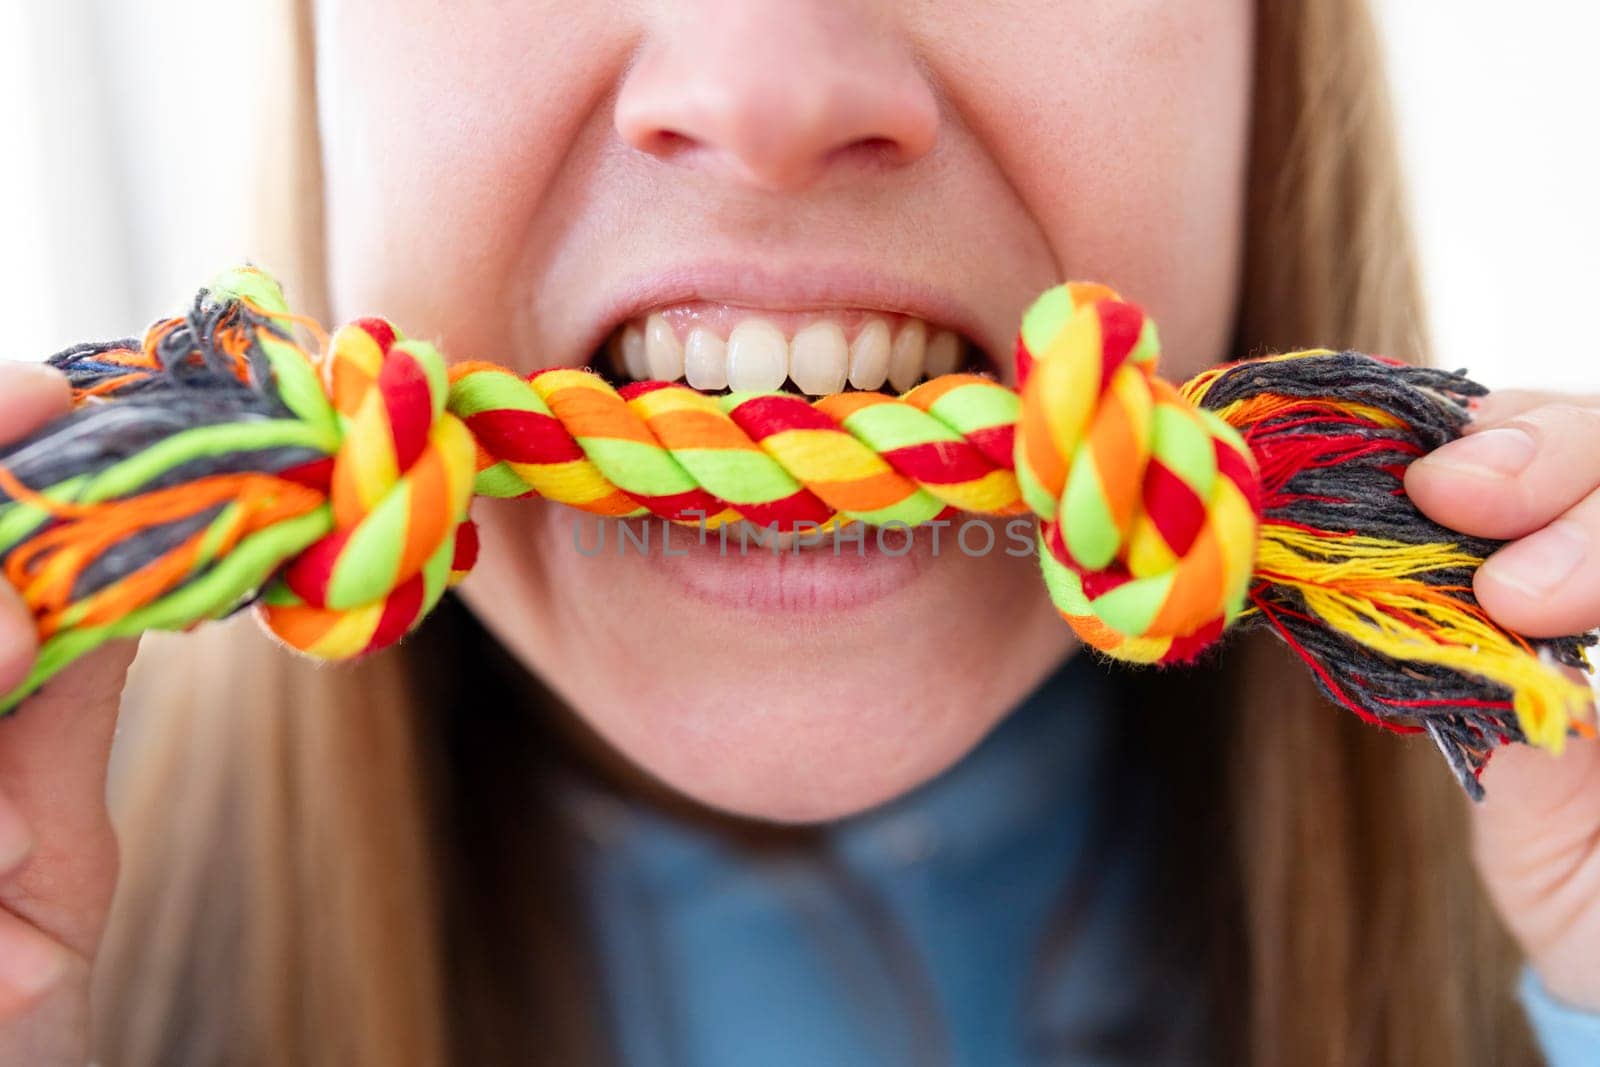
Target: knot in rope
point(398, 488)
point(1147, 504)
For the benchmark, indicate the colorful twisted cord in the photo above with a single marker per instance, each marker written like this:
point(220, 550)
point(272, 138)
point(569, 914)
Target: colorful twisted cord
point(225, 460)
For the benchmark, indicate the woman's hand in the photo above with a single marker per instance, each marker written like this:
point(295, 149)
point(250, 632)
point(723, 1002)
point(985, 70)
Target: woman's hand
point(1529, 471)
point(58, 856)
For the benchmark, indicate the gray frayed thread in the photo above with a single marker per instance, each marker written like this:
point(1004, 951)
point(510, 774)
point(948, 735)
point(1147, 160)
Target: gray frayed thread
point(1364, 493)
point(194, 385)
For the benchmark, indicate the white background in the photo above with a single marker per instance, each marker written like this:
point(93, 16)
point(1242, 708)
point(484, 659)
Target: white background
point(127, 134)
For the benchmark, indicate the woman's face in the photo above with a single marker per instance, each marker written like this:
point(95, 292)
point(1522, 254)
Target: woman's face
point(740, 183)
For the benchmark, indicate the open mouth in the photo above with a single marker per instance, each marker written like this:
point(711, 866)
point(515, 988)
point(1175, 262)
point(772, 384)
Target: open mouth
point(716, 347)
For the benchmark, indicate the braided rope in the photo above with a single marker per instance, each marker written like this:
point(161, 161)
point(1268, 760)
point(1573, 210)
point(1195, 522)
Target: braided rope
point(222, 461)
point(654, 448)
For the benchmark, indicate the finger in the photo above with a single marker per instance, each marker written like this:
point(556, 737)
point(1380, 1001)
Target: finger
point(31, 964)
point(31, 394)
point(1548, 583)
point(16, 839)
point(66, 725)
point(19, 639)
point(54, 751)
point(1534, 836)
point(1523, 783)
point(1504, 404)
point(1511, 478)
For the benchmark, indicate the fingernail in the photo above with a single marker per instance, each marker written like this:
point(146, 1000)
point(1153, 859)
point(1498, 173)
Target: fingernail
point(33, 964)
point(1502, 452)
point(1540, 562)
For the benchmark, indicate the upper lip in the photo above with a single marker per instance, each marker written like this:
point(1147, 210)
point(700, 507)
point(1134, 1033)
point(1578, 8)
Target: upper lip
point(812, 288)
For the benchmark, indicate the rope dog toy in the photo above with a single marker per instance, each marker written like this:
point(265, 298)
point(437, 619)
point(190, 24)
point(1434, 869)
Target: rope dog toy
point(236, 456)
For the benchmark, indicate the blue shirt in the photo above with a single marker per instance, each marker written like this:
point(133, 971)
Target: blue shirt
point(909, 934)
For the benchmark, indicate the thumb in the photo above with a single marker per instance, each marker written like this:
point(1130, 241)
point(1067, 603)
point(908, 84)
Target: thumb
point(1536, 839)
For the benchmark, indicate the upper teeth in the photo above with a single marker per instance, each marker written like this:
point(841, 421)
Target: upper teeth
point(757, 356)
point(662, 352)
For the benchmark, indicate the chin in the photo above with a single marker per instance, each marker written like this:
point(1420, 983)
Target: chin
point(800, 684)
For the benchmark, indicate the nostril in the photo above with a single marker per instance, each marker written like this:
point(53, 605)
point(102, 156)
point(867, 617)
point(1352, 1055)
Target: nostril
point(665, 143)
point(870, 150)
point(876, 144)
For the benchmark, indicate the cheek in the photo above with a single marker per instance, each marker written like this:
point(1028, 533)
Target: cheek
point(1124, 127)
point(798, 716)
point(437, 167)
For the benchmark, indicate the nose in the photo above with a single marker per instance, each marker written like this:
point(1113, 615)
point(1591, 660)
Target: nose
point(776, 93)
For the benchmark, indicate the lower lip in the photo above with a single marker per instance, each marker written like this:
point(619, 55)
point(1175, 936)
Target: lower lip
point(837, 574)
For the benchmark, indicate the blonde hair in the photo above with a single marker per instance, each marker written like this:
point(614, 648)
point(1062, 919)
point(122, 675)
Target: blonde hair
point(290, 894)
